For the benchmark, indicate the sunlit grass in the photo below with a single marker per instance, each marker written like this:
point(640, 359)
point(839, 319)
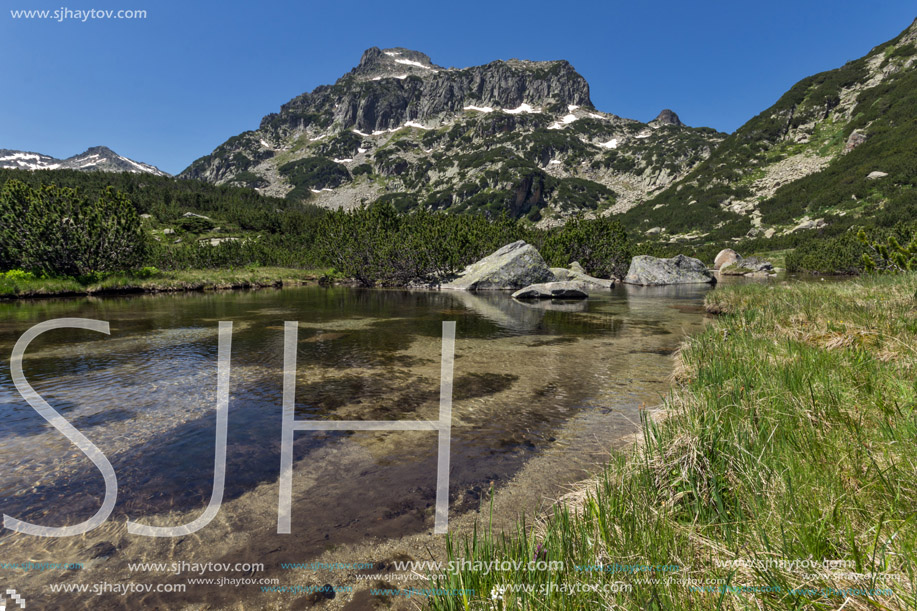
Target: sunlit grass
point(19, 285)
point(791, 434)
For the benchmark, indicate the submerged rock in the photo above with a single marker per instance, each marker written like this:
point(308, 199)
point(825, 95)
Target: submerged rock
point(513, 266)
point(553, 290)
point(651, 271)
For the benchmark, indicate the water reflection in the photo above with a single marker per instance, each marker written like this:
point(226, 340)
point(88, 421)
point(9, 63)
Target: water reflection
point(540, 391)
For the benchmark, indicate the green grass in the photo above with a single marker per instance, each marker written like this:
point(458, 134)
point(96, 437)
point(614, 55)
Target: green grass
point(791, 434)
point(17, 285)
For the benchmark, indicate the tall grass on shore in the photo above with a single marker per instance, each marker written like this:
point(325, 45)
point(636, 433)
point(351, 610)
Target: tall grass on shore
point(790, 435)
point(19, 284)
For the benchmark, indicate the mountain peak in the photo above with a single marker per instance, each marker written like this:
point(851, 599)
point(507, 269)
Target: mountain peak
point(667, 117)
point(394, 62)
point(94, 158)
point(99, 150)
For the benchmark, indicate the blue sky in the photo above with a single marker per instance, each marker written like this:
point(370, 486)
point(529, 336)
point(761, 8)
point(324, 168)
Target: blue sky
point(169, 88)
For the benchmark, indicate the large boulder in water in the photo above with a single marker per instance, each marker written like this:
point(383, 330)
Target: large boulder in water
point(552, 290)
point(514, 266)
point(650, 271)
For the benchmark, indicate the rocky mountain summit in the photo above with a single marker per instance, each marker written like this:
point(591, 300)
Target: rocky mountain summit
point(99, 158)
point(513, 136)
point(667, 117)
point(524, 138)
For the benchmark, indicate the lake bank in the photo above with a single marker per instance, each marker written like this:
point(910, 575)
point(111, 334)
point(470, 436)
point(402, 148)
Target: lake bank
point(789, 438)
point(25, 287)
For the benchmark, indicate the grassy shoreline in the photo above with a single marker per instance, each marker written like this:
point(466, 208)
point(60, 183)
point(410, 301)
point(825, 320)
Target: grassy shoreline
point(790, 437)
point(160, 281)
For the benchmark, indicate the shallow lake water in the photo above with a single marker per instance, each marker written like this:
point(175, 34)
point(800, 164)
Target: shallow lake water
point(541, 392)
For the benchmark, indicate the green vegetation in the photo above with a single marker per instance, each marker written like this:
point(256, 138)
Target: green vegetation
point(841, 193)
point(790, 436)
point(600, 246)
point(55, 231)
point(313, 173)
point(16, 283)
point(377, 245)
point(71, 240)
point(890, 256)
point(856, 251)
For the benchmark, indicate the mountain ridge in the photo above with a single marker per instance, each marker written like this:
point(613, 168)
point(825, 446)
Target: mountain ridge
point(514, 136)
point(95, 158)
point(809, 161)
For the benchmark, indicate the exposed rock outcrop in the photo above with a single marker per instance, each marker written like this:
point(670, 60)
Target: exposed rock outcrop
point(513, 266)
point(576, 274)
point(667, 117)
point(855, 139)
point(747, 266)
point(381, 92)
point(651, 271)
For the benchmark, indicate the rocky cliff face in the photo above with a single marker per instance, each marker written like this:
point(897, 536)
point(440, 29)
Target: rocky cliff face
point(391, 87)
point(511, 136)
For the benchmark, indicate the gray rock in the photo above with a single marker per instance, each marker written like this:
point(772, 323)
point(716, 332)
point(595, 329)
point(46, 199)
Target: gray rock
point(188, 215)
point(854, 140)
point(359, 102)
point(807, 223)
point(725, 257)
point(756, 264)
point(575, 275)
point(654, 231)
point(651, 271)
point(667, 117)
point(877, 174)
point(751, 266)
point(513, 266)
point(552, 290)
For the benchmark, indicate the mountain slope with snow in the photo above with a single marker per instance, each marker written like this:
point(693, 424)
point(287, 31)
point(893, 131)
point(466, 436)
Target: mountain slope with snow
point(514, 136)
point(100, 158)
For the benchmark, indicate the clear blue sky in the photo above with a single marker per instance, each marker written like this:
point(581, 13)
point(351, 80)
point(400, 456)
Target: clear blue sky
point(169, 88)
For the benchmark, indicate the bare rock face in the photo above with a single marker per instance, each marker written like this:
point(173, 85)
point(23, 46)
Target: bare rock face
point(391, 86)
point(552, 290)
point(513, 266)
point(854, 140)
point(667, 117)
point(651, 271)
point(577, 274)
point(725, 257)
